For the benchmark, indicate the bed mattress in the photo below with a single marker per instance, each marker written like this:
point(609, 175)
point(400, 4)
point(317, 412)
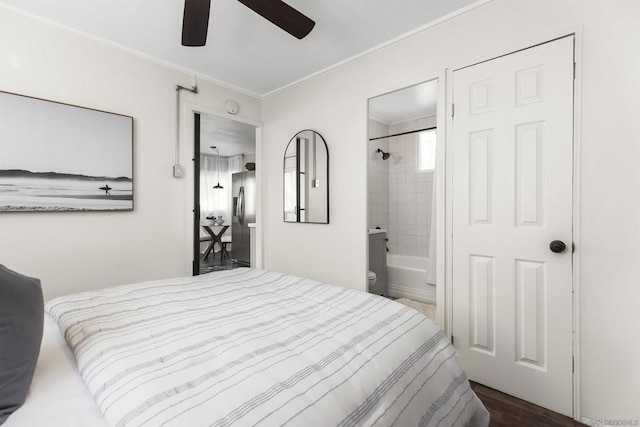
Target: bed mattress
point(245, 347)
point(58, 396)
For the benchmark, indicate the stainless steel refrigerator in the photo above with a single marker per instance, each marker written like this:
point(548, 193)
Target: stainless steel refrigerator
point(243, 191)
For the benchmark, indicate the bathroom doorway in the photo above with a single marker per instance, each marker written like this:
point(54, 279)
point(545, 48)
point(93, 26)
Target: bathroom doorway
point(225, 177)
point(402, 136)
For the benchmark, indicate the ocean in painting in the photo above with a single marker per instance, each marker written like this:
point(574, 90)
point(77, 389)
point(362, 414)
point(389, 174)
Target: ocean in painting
point(22, 190)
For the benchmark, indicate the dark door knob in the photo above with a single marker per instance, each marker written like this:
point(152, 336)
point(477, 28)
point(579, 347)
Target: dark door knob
point(557, 246)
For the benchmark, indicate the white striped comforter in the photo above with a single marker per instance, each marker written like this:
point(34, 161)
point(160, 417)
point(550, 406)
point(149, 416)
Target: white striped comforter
point(246, 347)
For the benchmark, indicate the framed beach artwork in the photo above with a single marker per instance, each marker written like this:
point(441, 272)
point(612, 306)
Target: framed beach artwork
point(60, 157)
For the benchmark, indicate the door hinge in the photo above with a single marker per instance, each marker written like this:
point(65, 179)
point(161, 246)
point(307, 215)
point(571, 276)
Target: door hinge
point(451, 339)
point(573, 364)
point(574, 71)
point(453, 110)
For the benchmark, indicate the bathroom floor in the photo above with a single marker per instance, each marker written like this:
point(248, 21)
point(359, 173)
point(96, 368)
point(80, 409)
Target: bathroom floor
point(429, 310)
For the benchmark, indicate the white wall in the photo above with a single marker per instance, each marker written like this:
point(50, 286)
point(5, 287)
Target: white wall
point(335, 104)
point(334, 252)
point(73, 251)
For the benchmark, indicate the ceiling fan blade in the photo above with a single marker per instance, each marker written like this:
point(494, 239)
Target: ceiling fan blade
point(283, 15)
point(195, 22)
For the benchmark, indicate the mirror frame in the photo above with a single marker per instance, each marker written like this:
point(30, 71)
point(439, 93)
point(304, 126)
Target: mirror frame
point(297, 181)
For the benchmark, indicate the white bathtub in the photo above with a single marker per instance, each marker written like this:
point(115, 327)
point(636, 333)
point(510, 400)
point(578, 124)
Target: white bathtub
point(407, 277)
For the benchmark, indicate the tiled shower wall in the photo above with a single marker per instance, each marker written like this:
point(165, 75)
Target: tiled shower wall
point(378, 208)
point(410, 192)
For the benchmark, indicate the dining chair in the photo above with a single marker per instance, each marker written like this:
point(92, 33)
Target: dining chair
point(204, 237)
point(225, 240)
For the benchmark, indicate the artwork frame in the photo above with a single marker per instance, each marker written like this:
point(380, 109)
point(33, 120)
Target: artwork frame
point(62, 157)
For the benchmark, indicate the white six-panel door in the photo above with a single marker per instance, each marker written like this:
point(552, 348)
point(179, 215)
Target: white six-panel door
point(512, 192)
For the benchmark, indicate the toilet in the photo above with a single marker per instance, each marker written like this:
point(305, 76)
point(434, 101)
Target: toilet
point(377, 276)
point(372, 280)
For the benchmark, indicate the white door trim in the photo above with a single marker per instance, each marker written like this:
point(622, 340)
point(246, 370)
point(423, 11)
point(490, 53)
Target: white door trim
point(444, 247)
point(187, 111)
point(577, 223)
point(440, 197)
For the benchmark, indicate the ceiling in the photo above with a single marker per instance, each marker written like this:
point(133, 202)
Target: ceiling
point(405, 104)
point(229, 136)
point(232, 137)
point(244, 51)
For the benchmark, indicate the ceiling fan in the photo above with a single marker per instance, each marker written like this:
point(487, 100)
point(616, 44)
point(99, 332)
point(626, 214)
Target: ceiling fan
point(195, 21)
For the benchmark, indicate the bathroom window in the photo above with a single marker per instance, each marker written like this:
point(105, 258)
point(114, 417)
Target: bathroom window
point(427, 151)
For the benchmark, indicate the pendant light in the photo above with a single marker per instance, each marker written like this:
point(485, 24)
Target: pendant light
point(217, 186)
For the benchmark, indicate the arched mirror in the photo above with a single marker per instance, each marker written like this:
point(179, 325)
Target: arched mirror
point(306, 179)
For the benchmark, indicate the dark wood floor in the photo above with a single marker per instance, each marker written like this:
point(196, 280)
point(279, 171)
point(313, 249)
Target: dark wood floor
point(214, 263)
point(506, 410)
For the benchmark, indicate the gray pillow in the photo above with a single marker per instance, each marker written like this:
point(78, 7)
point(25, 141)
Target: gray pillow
point(21, 322)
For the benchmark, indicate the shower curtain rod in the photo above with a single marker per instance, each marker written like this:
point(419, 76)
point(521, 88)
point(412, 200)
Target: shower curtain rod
point(402, 133)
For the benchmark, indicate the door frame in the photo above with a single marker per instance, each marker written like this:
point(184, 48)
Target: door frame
point(195, 265)
point(444, 252)
point(188, 111)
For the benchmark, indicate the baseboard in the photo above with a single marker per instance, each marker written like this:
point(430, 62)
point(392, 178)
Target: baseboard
point(422, 295)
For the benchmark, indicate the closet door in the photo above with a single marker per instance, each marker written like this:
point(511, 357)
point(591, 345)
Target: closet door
point(512, 148)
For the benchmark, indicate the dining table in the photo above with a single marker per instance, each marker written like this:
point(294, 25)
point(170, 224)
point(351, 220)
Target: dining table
point(216, 237)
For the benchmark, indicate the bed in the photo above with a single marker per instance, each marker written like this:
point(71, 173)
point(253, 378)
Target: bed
point(243, 347)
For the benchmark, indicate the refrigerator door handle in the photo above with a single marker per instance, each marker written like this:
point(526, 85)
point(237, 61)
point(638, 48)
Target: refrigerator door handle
point(241, 206)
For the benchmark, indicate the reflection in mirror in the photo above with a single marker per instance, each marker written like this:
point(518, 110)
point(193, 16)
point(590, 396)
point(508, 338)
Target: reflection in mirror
point(306, 179)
